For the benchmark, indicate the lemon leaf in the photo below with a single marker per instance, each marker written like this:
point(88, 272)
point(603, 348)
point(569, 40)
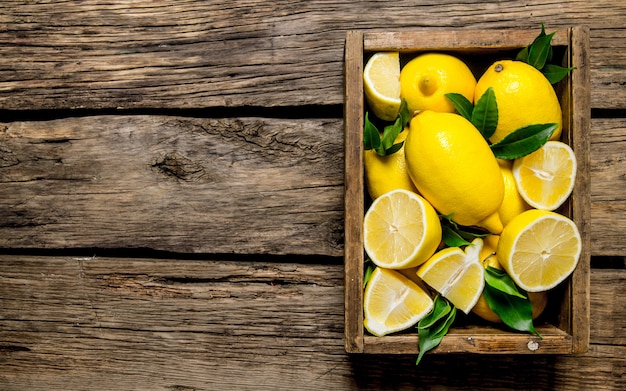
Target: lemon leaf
point(523, 141)
point(371, 135)
point(369, 269)
point(441, 307)
point(501, 281)
point(523, 55)
point(515, 312)
point(540, 50)
point(453, 235)
point(451, 238)
point(385, 146)
point(462, 105)
point(485, 113)
point(555, 73)
point(392, 131)
point(433, 327)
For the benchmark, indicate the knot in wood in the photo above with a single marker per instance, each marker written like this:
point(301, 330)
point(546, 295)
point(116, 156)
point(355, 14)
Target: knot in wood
point(177, 166)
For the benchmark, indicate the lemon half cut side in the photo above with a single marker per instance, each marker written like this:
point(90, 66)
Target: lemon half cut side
point(539, 249)
point(545, 178)
point(401, 230)
point(381, 83)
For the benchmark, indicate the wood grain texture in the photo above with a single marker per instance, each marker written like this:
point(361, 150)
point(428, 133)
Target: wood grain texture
point(245, 185)
point(608, 186)
point(110, 323)
point(194, 54)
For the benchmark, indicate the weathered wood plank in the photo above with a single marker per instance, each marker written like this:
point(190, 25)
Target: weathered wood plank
point(608, 186)
point(159, 182)
point(245, 185)
point(194, 54)
point(118, 323)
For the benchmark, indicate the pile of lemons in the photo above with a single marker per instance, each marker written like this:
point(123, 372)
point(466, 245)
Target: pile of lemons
point(446, 167)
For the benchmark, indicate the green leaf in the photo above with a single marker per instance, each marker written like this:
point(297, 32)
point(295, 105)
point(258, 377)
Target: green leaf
point(394, 148)
point(514, 311)
point(462, 105)
point(523, 55)
point(389, 136)
point(523, 141)
point(385, 145)
point(451, 238)
point(434, 326)
point(485, 114)
point(369, 269)
point(404, 114)
point(540, 50)
point(555, 73)
point(441, 307)
point(371, 135)
point(501, 281)
point(453, 235)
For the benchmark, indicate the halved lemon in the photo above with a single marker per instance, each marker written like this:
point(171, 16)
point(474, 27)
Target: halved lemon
point(400, 230)
point(381, 82)
point(539, 249)
point(545, 178)
point(458, 275)
point(393, 302)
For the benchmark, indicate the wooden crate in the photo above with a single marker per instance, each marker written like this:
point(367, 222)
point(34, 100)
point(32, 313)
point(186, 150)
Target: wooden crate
point(565, 326)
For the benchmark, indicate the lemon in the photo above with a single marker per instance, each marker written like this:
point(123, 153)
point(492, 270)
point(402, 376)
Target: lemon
point(545, 178)
point(400, 230)
point(453, 167)
point(539, 249)
point(386, 173)
point(426, 79)
point(381, 82)
point(456, 274)
point(524, 97)
point(538, 300)
point(393, 302)
point(512, 203)
point(487, 254)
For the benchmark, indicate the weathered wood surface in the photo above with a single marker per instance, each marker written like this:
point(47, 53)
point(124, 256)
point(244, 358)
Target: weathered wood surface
point(262, 307)
point(240, 185)
point(243, 185)
point(77, 322)
point(194, 54)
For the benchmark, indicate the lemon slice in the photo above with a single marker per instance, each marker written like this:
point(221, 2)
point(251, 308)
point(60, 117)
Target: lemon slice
point(457, 275)
point(539, 249)
point(400, 230)
point(545, 178)
point(393, 302)
point(381, 78)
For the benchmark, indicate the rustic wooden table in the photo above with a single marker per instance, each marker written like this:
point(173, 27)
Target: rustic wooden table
point(171, 196)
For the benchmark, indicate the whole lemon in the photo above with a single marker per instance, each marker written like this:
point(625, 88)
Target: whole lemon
point(524, 97)
point(513, 203)
point(386, 173)
point(453, 167)
point(426, 79)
